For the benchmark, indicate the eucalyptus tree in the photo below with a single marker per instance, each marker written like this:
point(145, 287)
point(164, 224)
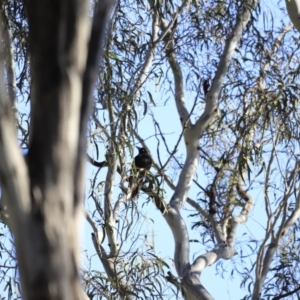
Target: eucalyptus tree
point(231, 71)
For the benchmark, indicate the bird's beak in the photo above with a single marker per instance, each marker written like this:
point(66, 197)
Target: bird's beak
point(139, 148)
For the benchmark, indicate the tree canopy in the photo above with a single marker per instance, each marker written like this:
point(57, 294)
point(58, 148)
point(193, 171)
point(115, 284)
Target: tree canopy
point(209, 88)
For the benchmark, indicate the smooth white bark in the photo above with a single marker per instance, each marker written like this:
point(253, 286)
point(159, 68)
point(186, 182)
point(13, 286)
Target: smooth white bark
point(293, 8)
point(192, 133)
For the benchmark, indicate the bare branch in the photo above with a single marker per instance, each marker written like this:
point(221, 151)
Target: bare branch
point(149, 56)
point(178, 80)
point(108, 206)
point(181, 238)
point(243, 216)
point(192, 287)
point(220, 251)
point(214, 93)
point(196, 206)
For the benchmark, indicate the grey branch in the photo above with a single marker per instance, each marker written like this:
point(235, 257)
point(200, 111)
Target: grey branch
point(293, 8)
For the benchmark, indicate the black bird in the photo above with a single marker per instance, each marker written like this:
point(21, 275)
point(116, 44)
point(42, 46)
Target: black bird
point(206, 86)
point(143, 159)
point(142, 164)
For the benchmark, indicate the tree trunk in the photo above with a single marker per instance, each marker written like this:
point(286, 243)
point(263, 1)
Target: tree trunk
point(44, 191)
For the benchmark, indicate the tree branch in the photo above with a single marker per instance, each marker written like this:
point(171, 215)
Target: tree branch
point(108, 203)
point(9, 60)
point(102, 12)
point(214, 93)
point(109, 266)
point(177, 74)
point(263, 264)
point(287, 294)
point(293, 8)
point(149, 56)
point(220, 251)
point(13, 169)
point(181, 238)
